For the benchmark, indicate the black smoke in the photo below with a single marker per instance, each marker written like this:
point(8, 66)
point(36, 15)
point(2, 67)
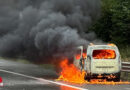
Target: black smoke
point(44, 29)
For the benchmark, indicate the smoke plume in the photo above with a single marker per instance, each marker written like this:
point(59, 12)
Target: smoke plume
point(44, 29)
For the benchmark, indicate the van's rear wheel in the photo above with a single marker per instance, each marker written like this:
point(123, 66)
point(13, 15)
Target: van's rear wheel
point(117, 79)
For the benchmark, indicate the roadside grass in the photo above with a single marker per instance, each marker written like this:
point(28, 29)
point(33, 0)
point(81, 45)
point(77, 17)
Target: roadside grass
point(17, 60)
point(125, 53)
point(125, 76)
point(47, 66)
point(25, 61)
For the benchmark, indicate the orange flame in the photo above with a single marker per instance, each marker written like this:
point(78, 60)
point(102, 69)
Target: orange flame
point(71, 74)
point(78, 56)
point(111, 44)
point(104, 54)
point(67, 88)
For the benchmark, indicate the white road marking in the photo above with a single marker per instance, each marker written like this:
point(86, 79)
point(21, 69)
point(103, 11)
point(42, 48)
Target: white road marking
point(41, 79)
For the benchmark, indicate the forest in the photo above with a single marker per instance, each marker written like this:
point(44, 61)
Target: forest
point(114, 25)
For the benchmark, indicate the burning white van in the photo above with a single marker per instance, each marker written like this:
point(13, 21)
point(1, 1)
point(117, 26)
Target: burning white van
point(101, 60)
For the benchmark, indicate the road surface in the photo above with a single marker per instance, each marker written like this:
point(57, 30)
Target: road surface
point(18, 76)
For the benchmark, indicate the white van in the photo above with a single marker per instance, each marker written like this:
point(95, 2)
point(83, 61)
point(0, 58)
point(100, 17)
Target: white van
point(101, 60)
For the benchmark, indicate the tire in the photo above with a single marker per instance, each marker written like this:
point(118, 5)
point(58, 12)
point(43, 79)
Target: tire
point(117, 79)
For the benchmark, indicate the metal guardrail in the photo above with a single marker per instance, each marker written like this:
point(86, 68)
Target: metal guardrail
point(125, 67)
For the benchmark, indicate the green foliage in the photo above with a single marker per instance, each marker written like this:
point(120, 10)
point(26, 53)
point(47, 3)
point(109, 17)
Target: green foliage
point(125, 53)
point(114, 24)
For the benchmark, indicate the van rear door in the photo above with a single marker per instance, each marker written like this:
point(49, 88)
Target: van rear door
point(104, 61)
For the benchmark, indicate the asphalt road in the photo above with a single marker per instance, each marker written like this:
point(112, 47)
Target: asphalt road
point(18, 76)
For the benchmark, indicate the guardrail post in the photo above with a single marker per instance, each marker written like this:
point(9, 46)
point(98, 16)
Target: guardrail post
point(126, 69)
point(126, 75)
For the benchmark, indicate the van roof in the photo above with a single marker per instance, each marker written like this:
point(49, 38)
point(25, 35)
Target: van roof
point(102, 46)
point(110, 44)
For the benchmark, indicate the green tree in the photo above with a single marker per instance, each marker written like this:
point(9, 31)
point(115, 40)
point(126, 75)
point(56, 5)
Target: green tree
point(114, 24)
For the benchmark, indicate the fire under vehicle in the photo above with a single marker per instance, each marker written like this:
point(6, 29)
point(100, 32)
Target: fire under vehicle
point(99, 61)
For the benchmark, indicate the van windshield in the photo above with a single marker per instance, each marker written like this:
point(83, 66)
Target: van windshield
point(104, 54)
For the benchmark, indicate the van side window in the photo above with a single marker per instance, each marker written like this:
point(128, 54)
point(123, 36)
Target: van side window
point(84, 54)
point(78, 54)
